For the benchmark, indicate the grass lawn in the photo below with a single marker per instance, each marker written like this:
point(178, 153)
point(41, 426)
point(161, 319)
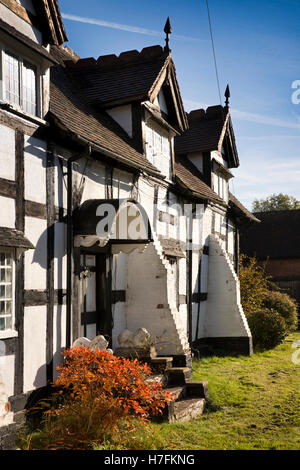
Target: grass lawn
point(254, 404)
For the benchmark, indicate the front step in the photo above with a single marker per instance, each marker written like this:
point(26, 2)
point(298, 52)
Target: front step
point(178, 392)
point(188, 409)
point(188, 403)
point(189, 397)
point(178, 375)
point(197, 389)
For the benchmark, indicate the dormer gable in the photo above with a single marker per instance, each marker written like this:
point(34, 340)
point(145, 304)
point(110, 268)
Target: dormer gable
point(42, 16)
point(209, 130)
point(132, 77)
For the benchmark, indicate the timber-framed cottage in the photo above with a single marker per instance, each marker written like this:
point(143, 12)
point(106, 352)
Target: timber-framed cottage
point(81, 137)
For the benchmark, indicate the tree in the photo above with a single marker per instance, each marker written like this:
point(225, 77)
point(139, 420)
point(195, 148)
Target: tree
point(276, 202)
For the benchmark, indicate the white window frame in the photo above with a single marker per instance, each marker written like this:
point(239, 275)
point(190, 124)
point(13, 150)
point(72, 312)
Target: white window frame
point(21, 59)
point(155, 153)
point(11, 333)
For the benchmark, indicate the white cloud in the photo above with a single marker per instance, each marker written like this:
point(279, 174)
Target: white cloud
point(124, 27)
point(261, 119)
point(260, 177)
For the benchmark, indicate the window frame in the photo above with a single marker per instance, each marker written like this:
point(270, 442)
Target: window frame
point(11, 332)
point(153, 134)
point(22, 58)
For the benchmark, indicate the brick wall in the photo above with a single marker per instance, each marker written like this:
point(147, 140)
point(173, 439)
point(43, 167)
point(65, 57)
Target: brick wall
point(283, 268)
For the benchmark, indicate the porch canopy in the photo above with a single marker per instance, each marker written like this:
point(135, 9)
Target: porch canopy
point(123, 223)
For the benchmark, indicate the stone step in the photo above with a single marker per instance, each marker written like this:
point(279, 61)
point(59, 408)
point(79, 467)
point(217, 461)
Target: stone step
point(178, 392)
point(178, 375)
point(197, 389)
point(188, 409)
point(161, 364)
point(159, 378)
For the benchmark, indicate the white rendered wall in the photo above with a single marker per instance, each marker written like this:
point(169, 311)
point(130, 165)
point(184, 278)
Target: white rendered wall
point(224, 313)
point(147, 303)
point(19, 24)
point(123, 116)
point(231, 235)
point(7, 212)
point(35, 324)
point(146, 198)
point(6, 417)
point(59, 336)
point(92, 176)
point(119, 271)
point(35, 161)
point(36, 260)
point(7, 370)
point(207, 225)
point(219, 158)
point(60, 255)
point(122, 184)
point(7, 153)
point(197, 159)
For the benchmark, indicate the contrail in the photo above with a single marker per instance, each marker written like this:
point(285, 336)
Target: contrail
point(124, 27)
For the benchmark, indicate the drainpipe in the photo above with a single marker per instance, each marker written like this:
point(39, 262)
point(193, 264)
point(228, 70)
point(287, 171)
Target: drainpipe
point(71, 160)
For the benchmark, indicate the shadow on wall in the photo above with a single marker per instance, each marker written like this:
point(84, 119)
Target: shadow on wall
point(60, 246)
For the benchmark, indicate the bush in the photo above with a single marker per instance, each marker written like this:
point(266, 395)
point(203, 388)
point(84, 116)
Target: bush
point(101, 396)
point(268, 328)
point(254, 283)
point(271, 314)
point(284, 306)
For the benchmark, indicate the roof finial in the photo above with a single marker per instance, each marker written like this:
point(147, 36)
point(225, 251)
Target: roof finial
point(227, 96)
point(168, 31)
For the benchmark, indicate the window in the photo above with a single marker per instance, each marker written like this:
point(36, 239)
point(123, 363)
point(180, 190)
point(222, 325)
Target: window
point(6, 289)
point(29, 88)
point(12, 79)
point(158, 151)
point(20, 83)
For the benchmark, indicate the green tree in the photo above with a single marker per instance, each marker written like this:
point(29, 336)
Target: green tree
point(276, 202)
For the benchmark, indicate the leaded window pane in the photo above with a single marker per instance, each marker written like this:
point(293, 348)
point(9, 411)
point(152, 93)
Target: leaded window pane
point(6, 290)
point(12, 79)
point(29, 88)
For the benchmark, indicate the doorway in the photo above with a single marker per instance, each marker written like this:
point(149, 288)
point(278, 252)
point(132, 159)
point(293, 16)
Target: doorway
point(96, 315)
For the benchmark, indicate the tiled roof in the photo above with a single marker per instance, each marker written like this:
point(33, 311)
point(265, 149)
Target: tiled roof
point(14, 238)
point(68, 106)
point(189, 177)
point(25, 40)
point(125, 78)
point(237, 205)
point(205, 131)
point(276, 237)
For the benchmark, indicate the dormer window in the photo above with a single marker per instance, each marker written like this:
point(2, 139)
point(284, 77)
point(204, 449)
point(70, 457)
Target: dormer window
point(20, 83)
point(221, 176)
point(158, 149)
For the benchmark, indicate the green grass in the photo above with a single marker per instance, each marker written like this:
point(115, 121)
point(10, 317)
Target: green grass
point(254, 404)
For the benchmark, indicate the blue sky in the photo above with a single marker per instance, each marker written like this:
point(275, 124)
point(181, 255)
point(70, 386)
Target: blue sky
point(257, 52)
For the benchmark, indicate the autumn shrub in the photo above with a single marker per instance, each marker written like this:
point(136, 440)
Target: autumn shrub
point(100, 396)
point(285, 306)
point(268, 328)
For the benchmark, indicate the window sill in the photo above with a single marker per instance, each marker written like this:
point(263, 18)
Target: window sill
point(8, 334)
point(19, 112)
